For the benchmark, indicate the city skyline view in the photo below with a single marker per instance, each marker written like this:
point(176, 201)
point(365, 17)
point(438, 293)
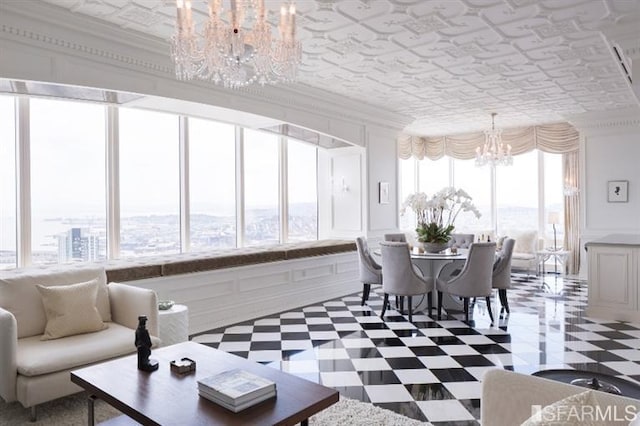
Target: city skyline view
point(157, 234)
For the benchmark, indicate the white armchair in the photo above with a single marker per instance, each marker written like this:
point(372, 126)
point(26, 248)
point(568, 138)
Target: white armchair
point(527, 244)
point(33, 371)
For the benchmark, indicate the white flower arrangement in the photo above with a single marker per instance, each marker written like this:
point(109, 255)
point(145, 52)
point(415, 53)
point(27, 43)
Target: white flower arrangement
point(436, 216)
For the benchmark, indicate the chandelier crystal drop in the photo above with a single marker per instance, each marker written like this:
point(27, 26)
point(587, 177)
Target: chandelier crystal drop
point(236, 47)
point(493, 152)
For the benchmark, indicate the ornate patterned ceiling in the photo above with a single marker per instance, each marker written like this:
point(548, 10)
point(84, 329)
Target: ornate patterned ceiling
point(445, 63)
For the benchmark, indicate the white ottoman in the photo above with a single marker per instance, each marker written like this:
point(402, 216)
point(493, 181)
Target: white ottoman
point(174, 325)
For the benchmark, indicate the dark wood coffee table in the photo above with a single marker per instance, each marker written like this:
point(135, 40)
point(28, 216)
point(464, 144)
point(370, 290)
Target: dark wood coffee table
point(166, 398)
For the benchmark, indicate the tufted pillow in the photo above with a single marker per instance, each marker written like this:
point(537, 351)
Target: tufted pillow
point(578, 409)
point(70, 309)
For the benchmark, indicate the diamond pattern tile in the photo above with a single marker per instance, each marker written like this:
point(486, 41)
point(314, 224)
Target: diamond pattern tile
point(432, 370)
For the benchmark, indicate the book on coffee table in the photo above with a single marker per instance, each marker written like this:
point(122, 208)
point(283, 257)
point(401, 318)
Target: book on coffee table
point(236, 389)
point(237, 407)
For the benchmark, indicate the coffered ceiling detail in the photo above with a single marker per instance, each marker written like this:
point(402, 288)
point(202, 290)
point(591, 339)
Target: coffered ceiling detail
point(446, 64)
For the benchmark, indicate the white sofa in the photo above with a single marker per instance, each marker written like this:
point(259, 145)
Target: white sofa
point(33, 371)
point(508, 397)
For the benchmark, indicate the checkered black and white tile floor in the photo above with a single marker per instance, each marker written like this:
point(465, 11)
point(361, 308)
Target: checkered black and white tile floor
point(432, 370)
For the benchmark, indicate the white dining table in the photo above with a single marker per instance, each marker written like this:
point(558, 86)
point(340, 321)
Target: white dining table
point(431, 265)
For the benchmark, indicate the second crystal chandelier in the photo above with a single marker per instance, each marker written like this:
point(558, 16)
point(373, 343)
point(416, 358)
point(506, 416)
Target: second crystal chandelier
point(236, 47)
point(493, 151)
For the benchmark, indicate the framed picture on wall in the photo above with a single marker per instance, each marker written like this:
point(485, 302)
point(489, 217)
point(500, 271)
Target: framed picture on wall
point(384, 192)
point(618, 191)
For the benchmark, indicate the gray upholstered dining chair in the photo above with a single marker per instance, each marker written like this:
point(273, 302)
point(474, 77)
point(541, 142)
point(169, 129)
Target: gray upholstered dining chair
point(502, 272)
point(461, 240)
point(370, 270)
point(475, 280)
point(398, 237)
point(401, 278)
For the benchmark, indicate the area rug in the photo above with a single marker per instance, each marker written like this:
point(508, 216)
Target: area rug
point(72, 410)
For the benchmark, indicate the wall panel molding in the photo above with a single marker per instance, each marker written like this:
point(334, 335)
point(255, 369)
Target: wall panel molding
point(227, 296)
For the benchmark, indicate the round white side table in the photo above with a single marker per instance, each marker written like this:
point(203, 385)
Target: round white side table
point(174, 325)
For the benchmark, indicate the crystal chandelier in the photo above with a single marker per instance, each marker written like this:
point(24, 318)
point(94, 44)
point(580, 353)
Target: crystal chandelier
point(236, 47)
point(493, 152)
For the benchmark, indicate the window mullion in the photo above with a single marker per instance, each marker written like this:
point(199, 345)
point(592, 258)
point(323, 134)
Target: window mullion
point(416, 175)
point(240, 216)
point(541, 197)
point(185, 218)
point(452, 179)
point(23, 183)
point(494, 201)
point(113, 181)
point(283, 199)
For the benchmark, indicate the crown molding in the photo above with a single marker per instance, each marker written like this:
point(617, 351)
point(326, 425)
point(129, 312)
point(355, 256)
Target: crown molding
point(39, 16)
point(47, 26)
point(607, 120)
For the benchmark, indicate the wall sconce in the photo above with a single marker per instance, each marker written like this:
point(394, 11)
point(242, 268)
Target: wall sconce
point(344, 186)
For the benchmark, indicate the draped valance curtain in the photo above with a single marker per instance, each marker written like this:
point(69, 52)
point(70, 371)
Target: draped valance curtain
point(558, 138)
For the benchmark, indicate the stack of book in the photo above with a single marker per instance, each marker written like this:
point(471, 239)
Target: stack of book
point(236, 389)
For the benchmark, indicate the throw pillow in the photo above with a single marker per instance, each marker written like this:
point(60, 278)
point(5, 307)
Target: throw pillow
point(526, 242)
point(70, 309)
point(578, 409)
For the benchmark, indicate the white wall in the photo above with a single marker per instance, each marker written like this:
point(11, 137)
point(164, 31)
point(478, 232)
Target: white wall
point(610, 150)
point(382, 166)
point(356, 175)
point(348, 192)
point(613, 156)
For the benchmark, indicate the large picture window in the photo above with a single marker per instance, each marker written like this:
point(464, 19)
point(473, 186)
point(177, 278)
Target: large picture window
point(68, 209)
point(261, 177)
point(302, 191)
point(553, 198)
point(100, 172)
point(212, 184)
point(149, 183)
point(434, 175)
point(476, 181)
point(407, 187)
point(516, 189)
point(517, 194)
point(8, 230)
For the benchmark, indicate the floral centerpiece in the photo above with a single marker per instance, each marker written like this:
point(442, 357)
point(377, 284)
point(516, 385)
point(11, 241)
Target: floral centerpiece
point(435, 216)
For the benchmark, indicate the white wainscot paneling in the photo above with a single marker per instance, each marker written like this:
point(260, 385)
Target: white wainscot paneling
point(613, 282)
point(227, 296)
